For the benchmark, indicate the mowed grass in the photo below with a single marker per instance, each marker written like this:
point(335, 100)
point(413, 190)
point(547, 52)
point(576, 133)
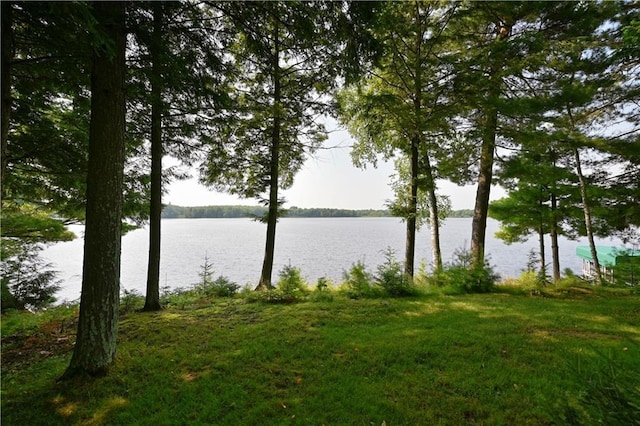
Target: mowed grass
point(495, 358)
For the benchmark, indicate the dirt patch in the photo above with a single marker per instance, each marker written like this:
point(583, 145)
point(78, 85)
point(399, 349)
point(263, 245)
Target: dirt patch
point(51, 339)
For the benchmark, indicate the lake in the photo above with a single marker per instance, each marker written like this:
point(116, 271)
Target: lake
point(320, 247)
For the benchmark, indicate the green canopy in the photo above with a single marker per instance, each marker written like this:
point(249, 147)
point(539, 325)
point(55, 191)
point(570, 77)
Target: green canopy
point(608, 256)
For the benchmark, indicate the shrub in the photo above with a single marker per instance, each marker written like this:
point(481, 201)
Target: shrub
point(130, 300)
point(358, 281)
point(27, 280)
point(391, 277)
point(218, 287)
point(291, 284)
point(462, 276)
point(322, 292)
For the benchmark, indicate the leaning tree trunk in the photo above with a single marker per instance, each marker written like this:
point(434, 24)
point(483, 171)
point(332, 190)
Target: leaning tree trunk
point(7, 58)
point(410, 246)
point(152, 299)
point(274, 171)
point(587, 216)
point(99, 301)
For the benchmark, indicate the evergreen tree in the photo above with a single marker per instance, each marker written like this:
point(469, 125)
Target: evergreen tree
point(402, 106)
point(97, 325)
point(280, 54)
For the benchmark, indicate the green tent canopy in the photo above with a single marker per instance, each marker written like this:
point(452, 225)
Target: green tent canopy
point(608, 256)
point(625, 261)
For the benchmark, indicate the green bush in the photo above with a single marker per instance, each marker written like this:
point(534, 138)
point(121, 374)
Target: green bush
point(291, 284)
point(391, 277)
point(358, 281)
point(27, 280)
point(218, 287)
point(322, 292)
point(463, 277)
point(130, 300)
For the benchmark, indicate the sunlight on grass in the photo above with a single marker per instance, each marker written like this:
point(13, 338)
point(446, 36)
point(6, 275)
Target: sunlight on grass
point(64, 409)
point(484, 359)
point(110, 405)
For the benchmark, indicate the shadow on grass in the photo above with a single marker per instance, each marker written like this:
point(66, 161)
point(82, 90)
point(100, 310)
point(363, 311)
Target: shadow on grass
point(497, 359)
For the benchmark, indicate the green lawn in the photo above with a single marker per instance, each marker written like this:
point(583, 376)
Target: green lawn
point(495, 358)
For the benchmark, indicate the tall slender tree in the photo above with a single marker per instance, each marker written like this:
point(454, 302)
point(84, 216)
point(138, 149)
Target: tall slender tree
point(152, 298)
point(402, 104)
point(281, 79)
point(99, 302)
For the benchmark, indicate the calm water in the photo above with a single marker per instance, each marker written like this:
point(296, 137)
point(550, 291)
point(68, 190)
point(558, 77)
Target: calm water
point(320, 247)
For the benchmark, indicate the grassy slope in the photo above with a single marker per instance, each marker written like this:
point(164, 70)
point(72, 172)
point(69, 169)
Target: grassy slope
point(474, 359)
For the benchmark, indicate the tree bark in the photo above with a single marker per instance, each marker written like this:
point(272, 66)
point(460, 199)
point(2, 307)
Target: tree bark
point(587, 216)
point(410, 246)
point(274, 171)
point(555, 253)
point(99, 302)
point(7, 59)
point(152, 299)
point(434, 220)
point(485, 176)
point(483, 191)
point(543, 260)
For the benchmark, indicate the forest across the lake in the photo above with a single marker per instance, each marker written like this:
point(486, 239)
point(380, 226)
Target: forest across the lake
point(217, 212)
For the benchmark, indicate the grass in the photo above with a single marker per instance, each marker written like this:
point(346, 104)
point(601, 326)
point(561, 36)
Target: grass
point(560, 357)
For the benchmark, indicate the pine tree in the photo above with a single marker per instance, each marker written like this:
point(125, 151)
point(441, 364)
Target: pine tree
point(97, 325)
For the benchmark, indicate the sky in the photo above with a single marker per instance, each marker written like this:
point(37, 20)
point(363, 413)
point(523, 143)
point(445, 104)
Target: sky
point(328, 180)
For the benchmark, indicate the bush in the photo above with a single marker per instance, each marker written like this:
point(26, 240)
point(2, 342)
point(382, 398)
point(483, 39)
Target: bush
point(130, 300)
point(27, 281)
point(392, 279)
point(358, 281)
point(462, 276)
point(291, 284)
point(322, 292)
point(219, 287)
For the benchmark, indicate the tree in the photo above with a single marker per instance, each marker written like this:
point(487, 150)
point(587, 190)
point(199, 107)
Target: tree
point(97, 325)
point(401, 107)
point(174, 89)
point(281, 78)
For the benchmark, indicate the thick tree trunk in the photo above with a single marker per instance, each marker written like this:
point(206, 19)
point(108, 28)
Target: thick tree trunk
point(483, 191)
point(410, 246)
point(7, 58)
point(152, 299)
point(99, 302)
point(274, 171)
point(587, 216)
point(485, 175)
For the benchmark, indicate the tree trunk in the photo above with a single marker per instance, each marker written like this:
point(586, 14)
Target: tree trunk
point(485, 175)
point(274, 171)
point(483, 191)
point(587, 216)
point(555, 254)
point(543, 260)
point(152, 299)
point(410, 246)
point(434, 220)
point(7, 58)
point(99, 302)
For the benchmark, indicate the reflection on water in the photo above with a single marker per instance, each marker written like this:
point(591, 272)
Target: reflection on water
point(320, 247)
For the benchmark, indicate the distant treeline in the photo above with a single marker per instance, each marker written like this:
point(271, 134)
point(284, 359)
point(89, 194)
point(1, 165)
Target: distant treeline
point(178, 212)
